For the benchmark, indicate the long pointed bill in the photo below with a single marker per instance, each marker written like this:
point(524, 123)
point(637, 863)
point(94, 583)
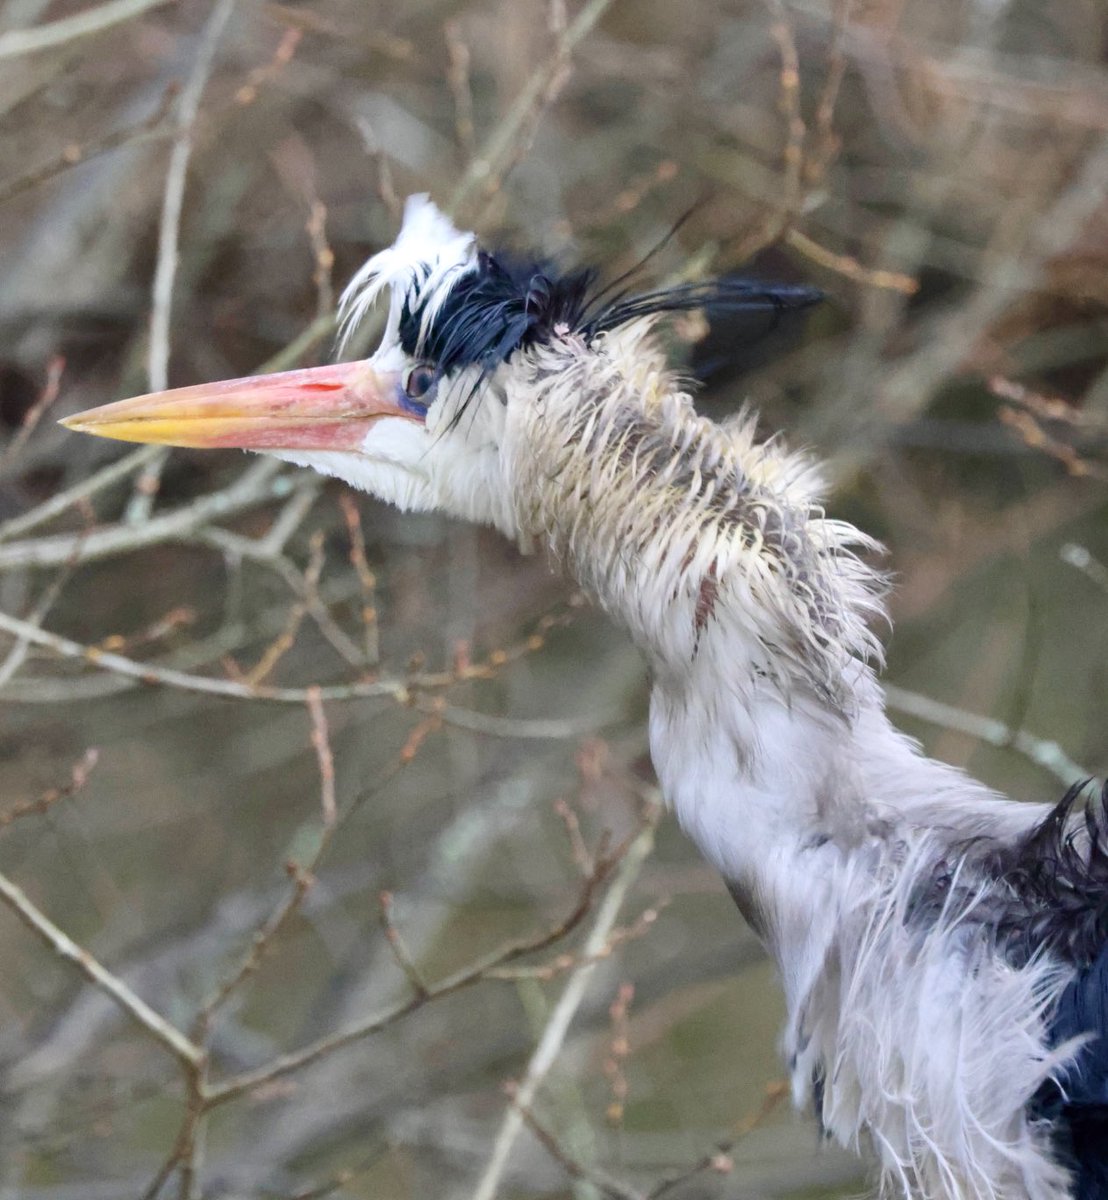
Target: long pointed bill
point(317, 408)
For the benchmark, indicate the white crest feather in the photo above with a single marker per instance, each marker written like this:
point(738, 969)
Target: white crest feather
point(420, 267)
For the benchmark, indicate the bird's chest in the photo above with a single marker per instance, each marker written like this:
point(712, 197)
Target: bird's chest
point(737, 783)
point(748, 787)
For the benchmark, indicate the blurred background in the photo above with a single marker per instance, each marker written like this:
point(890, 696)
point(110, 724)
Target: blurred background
point(184, 188)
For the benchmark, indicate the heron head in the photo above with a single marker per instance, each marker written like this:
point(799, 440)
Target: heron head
point(469, 337)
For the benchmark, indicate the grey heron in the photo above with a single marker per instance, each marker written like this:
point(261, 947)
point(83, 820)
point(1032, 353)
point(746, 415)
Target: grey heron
point(943, 950)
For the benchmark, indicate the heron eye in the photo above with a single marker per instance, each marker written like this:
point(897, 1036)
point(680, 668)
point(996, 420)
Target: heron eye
point(420, 381)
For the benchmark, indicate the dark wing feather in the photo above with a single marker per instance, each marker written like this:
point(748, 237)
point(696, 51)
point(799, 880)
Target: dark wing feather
point(1078, 1102)
point(1055, 901)
point(1057, 877)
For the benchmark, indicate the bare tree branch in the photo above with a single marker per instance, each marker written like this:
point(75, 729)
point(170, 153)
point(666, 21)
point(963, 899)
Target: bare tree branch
point(69, 29)
point(111, 985)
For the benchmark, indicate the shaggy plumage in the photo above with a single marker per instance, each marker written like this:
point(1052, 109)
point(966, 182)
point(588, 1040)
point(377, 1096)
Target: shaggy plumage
point(942, 950)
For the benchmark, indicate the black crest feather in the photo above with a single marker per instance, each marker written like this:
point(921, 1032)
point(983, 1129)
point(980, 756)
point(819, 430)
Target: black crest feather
point(494, 310)
point(718, 295)
point(503, 306)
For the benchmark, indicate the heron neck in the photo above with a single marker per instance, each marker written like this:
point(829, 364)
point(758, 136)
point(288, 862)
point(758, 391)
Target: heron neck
point(706, 544)
point(750, 605)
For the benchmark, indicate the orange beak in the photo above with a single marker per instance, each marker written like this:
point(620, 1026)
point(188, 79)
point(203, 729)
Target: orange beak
point(317, 408)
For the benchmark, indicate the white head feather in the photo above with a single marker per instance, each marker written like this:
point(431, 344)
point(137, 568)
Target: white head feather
point(420, 267)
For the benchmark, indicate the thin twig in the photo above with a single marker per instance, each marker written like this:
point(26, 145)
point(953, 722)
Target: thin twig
point(158, 630)
point(63, 501)
point(226, 640)
point(851, 268)
point(298, 585)
point(386, 189)
point(1046, 754)
point(500, 146)
point(148, 129)
point(719, 1159)
point(192, 1158)
point(366, 578)
point(111, 985)
point(619, 1048)
point(787, 199)
point(477, 972)
point(170, 1163)
point(457, 76)
point(17, 655)
point(169, 233)
point(321, 743)
point(282, 56)
point(291, 517)
point(792, 156)
point(301, 875)
point(1027, 427)
point(257, 485)
point(567, 961)
point(262, 941)
point(111, 474)
point(1048, 407)
point(580, 851)
point(398, 947)
point(78, 777)
point(69, 29)
point(826, 140)
point(399, 690)
point(148, 673)
point(169, 228)
point(302, 883)
point(307, 586)
point(323, 257)
point(527, 729)
point(33, 415)
point(565, 1009)
point(608, 1186)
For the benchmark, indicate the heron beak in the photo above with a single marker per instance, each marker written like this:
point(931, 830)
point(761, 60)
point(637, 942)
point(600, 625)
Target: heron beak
point(316, 408)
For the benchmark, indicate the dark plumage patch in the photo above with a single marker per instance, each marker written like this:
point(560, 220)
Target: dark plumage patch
point(493, 311)
point(1047, 893)
point(1057, 881)
point(819, 1089)
point(1058, 876)
point(503, 306)
point(706, 599)
point(1077, 1103)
